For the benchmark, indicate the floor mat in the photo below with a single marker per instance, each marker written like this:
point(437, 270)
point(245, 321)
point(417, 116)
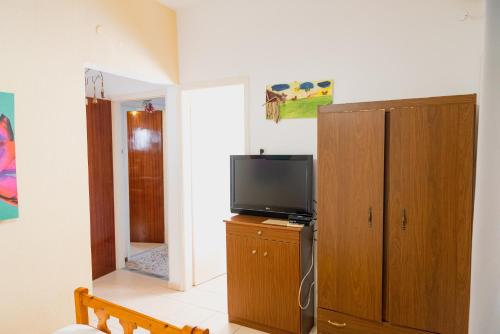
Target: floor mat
point(152, 262)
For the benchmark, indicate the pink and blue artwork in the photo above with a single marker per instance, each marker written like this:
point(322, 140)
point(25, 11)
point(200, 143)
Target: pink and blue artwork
point(8, 176)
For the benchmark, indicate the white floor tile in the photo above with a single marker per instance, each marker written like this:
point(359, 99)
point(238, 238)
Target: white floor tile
point(246, 330)
point(201, 298)
point(219, 324)
point(204, 305)
point(217, 285)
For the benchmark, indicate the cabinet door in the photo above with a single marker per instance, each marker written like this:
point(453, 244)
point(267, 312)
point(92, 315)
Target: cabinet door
point(244, 277)
point(281, 276)
point(430, 216)
point(350, 212)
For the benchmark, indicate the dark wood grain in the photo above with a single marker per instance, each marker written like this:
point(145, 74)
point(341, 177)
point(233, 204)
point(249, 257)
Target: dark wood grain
point(101, 195)
point(350, 183)
point(264, 272)
point(145, 157)
point(431, 177)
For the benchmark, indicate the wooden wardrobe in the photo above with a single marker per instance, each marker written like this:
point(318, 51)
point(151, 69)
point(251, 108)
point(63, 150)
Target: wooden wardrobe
point(395, 201)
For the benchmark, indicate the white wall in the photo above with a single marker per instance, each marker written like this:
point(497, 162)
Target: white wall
point(387, 49)
point(485, 303)
point(177, 247)
point(45, 46)
point(120, 183)
point(372, 49)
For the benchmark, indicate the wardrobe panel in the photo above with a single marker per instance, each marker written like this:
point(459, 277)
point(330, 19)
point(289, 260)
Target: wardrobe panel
point(350, 212)
point(430, 196)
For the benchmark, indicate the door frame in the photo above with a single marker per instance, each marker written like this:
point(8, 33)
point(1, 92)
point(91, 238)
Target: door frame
point(168, 89)
point(187, 235)
point(120, 169)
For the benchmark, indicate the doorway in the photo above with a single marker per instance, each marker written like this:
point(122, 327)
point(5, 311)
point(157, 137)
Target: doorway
point(214, 129)
point(126, 207)
point(148, 252)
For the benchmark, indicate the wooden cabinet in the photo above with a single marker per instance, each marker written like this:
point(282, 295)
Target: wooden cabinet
point(395, 196)
point(265, 265)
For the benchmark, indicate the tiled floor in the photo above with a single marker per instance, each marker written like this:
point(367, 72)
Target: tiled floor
point(204, 305)
point(139, 247)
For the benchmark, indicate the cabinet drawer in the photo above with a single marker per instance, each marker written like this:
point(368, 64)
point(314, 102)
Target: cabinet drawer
point(264, 232)
point(333, 323)
point(330, 322)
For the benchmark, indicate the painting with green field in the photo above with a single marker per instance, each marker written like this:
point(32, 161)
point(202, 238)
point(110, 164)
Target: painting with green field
point(297, 99)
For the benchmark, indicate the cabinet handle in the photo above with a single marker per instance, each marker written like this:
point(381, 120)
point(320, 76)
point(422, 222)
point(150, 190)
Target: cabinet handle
point(370, 218)
point(259, 232)
point(404, 220)
point(337, 324)
point(254, 251)
point(265, 253)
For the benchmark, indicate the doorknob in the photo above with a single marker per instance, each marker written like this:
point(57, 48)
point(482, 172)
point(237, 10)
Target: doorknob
point(404, 220)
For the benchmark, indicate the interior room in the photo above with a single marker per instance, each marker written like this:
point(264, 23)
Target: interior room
point(232, 166)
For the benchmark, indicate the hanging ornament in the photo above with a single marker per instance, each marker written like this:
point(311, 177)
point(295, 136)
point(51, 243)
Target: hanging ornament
point(148, 106)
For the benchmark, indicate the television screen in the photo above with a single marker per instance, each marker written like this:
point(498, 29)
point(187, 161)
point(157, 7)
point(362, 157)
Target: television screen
point(271, 185)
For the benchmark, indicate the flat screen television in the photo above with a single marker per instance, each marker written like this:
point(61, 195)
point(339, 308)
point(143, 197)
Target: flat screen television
point(272, 185)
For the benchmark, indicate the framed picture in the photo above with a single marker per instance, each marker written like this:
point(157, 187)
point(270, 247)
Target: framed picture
point(8, 176)
point(297, 99)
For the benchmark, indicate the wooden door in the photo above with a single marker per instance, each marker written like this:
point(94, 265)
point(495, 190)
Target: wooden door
point(245, 277)
point(145, 163)
point(281, 273)
point(430, 216)
point(350, 212)
point(101, 196)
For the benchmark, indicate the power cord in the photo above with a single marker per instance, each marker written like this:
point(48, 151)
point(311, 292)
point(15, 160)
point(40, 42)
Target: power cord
point(305, 307)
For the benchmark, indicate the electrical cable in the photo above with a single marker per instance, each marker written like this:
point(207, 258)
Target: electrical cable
point(305, 307)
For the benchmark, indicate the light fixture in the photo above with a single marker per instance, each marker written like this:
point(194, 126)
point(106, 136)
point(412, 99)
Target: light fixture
point(148, 106)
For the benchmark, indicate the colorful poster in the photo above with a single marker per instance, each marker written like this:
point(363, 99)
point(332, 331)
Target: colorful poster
point(8, 176)
point(297, 99)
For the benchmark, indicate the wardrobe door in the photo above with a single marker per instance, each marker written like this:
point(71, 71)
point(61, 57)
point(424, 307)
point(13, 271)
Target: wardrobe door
point(430, 216)
point(350, 212)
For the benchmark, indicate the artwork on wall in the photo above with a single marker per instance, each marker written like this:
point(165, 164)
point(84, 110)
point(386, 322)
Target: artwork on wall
point(8, 176)
point(297, 99)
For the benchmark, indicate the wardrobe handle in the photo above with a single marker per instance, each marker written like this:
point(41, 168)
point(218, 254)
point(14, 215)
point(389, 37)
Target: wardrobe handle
point(337, 324)
point(404, 220)
point(370, 218)
point(254, 251)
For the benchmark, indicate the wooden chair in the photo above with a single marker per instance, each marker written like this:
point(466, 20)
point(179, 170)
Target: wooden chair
point(128, 319)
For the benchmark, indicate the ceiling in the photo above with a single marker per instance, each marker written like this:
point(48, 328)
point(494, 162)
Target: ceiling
point(158, 103)
point(181, 4)
point(116, 86)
